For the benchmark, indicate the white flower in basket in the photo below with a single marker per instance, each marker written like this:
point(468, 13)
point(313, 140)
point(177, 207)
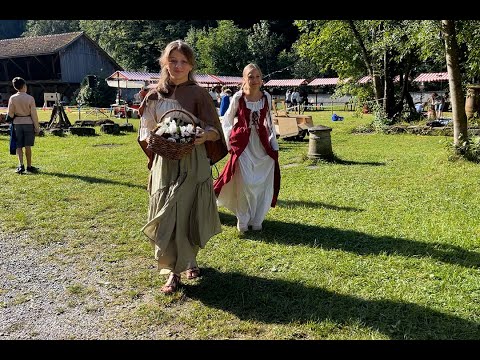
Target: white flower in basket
point(173, 130)
point(174, 135)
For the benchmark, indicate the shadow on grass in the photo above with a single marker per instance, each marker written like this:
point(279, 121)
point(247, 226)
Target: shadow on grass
point(315, 205)
point(340, 161)
point(91, 179)
point(282, 302)
point(334, 159)
point(356, 242)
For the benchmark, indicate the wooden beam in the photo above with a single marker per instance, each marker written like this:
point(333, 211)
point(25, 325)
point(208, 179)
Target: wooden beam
point(5, 69)
point(28, 69)
point(41, 63)
point(18, 66)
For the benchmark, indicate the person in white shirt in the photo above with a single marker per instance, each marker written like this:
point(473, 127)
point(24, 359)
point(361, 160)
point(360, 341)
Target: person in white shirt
point(250, 181)
point(295, 97)
point(215, 94)
point(288, 97)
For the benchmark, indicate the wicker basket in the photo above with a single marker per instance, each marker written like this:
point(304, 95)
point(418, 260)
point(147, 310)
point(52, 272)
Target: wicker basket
point(169, 149)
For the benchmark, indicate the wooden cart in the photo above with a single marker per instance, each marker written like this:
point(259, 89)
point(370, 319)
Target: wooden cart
point(291, 127)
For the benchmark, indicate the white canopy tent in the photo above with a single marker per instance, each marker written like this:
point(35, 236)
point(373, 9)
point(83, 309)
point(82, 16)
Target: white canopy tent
point(126, 84)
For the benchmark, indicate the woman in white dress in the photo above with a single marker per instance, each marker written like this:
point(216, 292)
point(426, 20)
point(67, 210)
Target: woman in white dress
point(250, 181)
point(182, 213)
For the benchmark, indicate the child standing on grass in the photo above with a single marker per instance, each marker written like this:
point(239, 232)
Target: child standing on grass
point(23, 111)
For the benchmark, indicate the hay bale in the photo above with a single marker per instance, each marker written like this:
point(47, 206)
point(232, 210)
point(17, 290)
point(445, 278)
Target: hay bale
point(82, 131)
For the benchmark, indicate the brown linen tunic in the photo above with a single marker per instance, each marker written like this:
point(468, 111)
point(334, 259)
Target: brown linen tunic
point(182, 213)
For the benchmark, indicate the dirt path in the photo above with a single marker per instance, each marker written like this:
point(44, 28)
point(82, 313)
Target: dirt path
point(42, 296)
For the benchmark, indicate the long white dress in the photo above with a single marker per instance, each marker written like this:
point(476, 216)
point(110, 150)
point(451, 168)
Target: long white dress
point(249, 193)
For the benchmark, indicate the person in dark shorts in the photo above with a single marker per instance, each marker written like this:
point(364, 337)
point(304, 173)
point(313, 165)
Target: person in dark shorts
point(23, 111)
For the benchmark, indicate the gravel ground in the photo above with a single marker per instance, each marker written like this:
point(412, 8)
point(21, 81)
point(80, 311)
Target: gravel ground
point(41, 296)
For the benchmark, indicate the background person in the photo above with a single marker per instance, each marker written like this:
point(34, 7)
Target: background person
point(250, 181)
point(439, 104)
point(22, 108)
point(225, 102)
point(288, 98)
point(182, 212)
point(295, 98)
point(142, 93)
point(431, 112)
point(215, 94)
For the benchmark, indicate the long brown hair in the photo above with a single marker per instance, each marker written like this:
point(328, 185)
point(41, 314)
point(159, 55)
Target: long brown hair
point(186, 50)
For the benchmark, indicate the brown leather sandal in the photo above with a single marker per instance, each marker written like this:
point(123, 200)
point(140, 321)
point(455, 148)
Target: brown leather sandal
point(193, 273)
point(172, 284)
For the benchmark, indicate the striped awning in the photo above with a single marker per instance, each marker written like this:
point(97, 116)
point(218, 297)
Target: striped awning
point(134, 76)
point(323, 81)
point(365, 79)
point(206, 80)
point(132, 79)
point(368, 78)
point(429, 77)
point(154, 85)
point(285, 82)
point(229, 80)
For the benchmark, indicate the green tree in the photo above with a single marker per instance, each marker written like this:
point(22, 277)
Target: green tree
point(134, 44)
point(382, 49)
point(137, 44)
point(100, 95)
point(47, 27)
point(222, 50)
point(264, 46)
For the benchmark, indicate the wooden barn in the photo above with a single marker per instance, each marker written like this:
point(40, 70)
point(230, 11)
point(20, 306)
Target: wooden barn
point(52, 64)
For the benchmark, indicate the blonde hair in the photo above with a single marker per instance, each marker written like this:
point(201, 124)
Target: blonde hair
point(183, 48)
point(246, 70)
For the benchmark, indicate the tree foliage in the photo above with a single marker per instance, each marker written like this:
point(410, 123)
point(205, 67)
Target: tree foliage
point(47, 27)
point(221, 50)
point(386, 50)
point(99, 95)
point(264, 46)
point(137, 44)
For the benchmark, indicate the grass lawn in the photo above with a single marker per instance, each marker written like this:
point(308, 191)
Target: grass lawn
point(382, 243)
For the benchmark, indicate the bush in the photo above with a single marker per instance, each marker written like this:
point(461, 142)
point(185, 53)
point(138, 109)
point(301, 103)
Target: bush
point(101, 95)
point(469, 149)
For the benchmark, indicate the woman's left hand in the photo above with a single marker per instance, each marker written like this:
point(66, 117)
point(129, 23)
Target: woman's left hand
point(201, 136)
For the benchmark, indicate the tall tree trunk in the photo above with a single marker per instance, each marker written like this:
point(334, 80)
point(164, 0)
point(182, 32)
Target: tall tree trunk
point(389, 92)
point(376, 81)
point(457, 97)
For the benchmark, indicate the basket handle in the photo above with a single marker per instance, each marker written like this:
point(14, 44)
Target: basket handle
point(191, 116)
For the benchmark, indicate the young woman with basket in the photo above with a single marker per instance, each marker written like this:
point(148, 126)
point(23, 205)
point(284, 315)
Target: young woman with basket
point(181, 134)
point(250, 181)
